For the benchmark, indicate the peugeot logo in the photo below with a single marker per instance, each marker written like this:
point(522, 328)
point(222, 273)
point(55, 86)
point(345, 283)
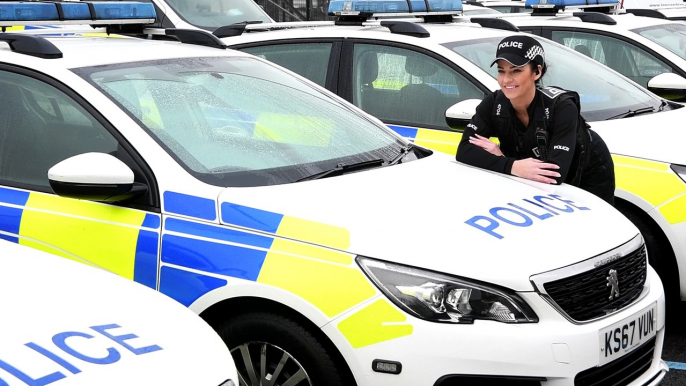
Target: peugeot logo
point(613, 281)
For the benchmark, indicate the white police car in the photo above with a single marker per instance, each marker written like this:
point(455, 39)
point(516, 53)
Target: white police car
point(648, 50)
point(408, 73)
point(324, 248)
point(65, 324)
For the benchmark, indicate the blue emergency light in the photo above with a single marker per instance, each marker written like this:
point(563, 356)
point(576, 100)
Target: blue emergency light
point(569, 3)
point(393, 7)
point(56, 13)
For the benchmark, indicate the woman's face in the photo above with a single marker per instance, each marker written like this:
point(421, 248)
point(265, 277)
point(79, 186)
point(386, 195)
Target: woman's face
point(517, 82)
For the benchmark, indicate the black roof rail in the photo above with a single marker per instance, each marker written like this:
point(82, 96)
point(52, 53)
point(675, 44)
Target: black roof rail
point(595, 17)
point(192, 36)
point(31, 45)
point(491, 22)
point(654, 13)
point(406, 28)
point(235, 29)
point(475, 3)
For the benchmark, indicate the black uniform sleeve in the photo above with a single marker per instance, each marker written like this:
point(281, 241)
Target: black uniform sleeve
point(562, 145)
point(483, 124)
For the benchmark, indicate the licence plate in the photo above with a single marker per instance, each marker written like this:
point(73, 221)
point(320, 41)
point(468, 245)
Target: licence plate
point(622, 337)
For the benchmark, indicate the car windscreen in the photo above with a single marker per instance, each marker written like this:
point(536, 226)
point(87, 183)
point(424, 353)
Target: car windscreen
point(241, 121)
point(210, 14)
point(670, 36)
point(604, 93)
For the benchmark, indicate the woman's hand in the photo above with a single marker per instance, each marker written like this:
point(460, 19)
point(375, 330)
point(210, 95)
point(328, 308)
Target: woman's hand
point(535, 170)
point(486, 144)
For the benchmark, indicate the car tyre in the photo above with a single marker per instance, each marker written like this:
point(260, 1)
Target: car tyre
point(290, 353)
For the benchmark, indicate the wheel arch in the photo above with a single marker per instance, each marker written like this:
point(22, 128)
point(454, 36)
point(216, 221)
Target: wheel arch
point(631, 209)
point(219, 311)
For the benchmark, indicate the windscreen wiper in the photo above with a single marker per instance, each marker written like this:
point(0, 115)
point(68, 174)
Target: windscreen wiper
point(632, 113)
point(403, 152)
point(343, 168)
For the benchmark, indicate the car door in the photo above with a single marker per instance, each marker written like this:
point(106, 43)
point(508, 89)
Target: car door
point(315, 59)
point(42, 122)
point(632, 60)
point(408, 88)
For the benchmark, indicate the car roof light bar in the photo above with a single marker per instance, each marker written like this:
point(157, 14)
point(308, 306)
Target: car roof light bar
point(73, 12)
point(364, 9)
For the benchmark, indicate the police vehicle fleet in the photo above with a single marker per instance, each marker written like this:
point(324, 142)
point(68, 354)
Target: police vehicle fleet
point(409, 72)
point(66, 324)
point(324, 248)
point(648, 50)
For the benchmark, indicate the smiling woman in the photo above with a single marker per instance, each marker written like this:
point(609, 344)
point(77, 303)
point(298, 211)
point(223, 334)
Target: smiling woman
point(542, 136)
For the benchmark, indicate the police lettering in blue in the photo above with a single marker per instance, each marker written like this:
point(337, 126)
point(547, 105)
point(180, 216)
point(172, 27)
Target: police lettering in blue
point(110, 355)
point(523, 214)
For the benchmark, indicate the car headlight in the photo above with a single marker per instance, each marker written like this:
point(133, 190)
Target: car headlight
point(680, 170)
point(441, 298)
point(228, 382)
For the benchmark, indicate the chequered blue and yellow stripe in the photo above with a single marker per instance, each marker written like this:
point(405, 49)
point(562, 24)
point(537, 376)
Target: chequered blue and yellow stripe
point(441, 140)
point(121, 240)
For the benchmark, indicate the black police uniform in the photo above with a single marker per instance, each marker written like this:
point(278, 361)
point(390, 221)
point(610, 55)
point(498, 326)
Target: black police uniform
point(495, 117)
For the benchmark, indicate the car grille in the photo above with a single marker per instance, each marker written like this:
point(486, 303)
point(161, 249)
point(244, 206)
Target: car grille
point(621, 371)
point(586, 296)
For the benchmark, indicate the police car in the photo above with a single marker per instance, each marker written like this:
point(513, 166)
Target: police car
point(408, 73)
point(324, 248)
point(66, 324)
point(186, 14)
point(648, 50)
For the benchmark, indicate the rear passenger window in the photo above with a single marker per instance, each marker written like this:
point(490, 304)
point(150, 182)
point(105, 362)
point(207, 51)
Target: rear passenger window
point(41, 126)
point(310, 60)
point(623, 57)
point(401, 86)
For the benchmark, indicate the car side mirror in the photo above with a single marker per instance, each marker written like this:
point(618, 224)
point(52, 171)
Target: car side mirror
point(458, 115)
point(669, 85)
point(94, 177)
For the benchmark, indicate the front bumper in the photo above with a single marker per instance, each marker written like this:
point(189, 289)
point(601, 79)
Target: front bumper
point(554, 349)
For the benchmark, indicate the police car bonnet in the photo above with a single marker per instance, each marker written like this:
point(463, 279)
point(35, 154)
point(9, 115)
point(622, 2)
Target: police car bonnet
point(518, 50)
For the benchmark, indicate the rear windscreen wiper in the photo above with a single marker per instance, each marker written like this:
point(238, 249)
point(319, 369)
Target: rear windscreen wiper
point(632, 113)
point(343, 168)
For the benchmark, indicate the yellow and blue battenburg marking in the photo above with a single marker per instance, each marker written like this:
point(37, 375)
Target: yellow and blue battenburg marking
point(195, 257)
point(441, 140)
point(191, 206)
point(121, 240)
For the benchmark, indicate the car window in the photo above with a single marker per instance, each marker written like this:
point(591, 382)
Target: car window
point(403, 86)
point(670, 36)
point(604, 94)
point(624, 57)
point(240, 121)
point(310, 60)
point(210, 14)
point(41, 126)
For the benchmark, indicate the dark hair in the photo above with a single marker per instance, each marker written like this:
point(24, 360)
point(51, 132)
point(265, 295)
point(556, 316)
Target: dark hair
point(534, 69)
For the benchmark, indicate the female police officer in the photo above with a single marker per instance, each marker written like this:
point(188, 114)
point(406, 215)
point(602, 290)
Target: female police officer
point(542, 135)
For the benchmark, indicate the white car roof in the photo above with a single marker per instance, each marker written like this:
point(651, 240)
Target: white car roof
point(83, 51)
point(440, 33)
